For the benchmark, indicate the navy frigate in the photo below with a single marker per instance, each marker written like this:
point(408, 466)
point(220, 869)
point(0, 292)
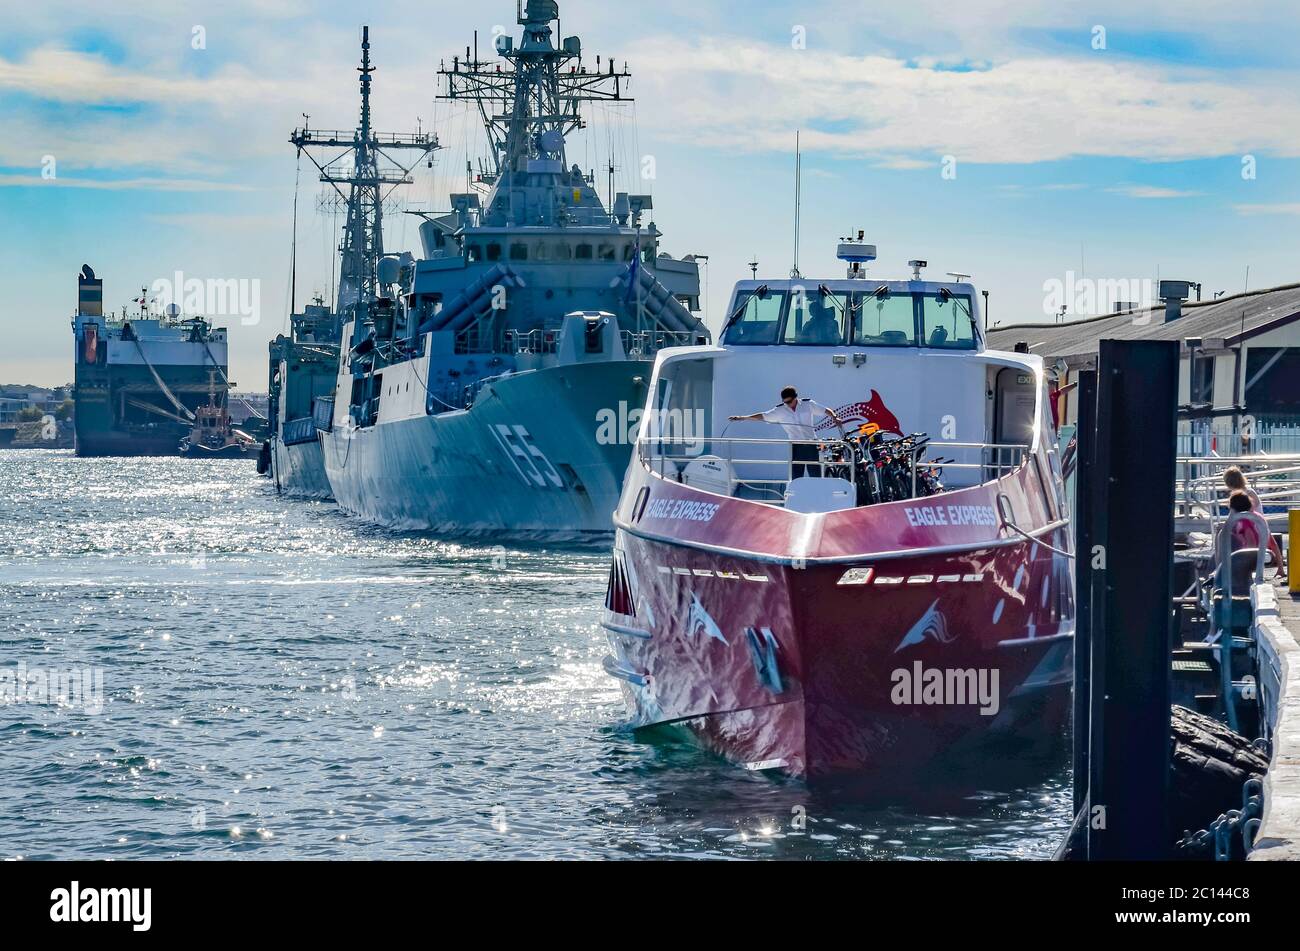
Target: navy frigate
point(304, 364)
point(493, 385)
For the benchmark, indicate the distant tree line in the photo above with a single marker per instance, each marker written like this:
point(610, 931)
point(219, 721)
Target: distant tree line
point(34, 414)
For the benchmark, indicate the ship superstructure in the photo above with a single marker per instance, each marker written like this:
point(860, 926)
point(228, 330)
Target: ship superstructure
point(475, 390)
point(140, 378)
point(361, 169)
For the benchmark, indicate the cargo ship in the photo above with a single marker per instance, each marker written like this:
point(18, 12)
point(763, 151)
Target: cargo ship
point(140, 379)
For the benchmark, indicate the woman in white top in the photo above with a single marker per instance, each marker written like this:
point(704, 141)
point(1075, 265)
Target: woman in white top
point(798, 418)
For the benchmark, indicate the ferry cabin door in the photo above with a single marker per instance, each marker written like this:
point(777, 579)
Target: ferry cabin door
point(1014, 394)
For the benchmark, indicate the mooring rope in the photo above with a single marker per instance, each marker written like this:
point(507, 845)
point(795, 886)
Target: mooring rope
point(1037, 541)
point(161, 385)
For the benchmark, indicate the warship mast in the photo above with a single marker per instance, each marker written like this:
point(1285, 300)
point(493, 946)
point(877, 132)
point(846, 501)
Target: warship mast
point(528, 110)
point(372, 176)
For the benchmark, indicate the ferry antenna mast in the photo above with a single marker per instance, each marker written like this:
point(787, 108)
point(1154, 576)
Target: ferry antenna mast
point(798, 201)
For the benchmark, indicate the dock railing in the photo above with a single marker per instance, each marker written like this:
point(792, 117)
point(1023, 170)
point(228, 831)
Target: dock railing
point(1201, 498)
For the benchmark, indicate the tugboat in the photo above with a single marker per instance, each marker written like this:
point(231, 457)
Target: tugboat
point(842, 593)
point(213, 435)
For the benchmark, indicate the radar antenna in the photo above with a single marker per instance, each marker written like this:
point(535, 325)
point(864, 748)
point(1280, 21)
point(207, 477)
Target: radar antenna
point(372, 176)
point(530, 107)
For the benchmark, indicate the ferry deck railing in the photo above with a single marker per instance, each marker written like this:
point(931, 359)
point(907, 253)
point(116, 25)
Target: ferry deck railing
point(670, 455)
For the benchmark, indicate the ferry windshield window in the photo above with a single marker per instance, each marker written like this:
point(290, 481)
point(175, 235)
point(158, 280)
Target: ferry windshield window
point(759, 322)
point(815, 318)
point(947, 321)
point(886, 320)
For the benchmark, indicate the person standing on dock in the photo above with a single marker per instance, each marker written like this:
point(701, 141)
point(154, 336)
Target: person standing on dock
point(1244, 533)
point(798, 418)
point(1235, 480)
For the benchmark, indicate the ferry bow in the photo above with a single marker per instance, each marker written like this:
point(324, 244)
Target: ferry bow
point(896, 601)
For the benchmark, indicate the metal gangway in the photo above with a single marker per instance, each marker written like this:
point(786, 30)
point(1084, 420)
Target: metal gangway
point(1201, 498)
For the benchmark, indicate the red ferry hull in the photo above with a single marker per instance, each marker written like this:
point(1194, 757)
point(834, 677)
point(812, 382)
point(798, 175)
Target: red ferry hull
point(775, 664)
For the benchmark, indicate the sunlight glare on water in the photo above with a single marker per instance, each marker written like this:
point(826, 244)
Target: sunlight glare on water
point(282, 681)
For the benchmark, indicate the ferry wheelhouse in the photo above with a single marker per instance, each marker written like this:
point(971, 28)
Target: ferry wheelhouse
point(907, 594)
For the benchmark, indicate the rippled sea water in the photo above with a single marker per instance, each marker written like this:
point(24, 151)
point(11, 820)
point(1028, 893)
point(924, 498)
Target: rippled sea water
point(281, 681)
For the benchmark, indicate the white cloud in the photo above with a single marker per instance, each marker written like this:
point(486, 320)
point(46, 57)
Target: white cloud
point(1151, 191)
point(206, 223)
point(160, 117)
point(740, 95)
point(121, 184)
point(1284, 208)
point(900, 163)
point(61, 75)
point(1019, 106)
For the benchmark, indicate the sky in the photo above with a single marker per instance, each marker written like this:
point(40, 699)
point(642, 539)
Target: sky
point(1032, 144)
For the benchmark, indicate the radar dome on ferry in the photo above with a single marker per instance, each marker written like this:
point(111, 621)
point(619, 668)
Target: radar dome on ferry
point(173, 310)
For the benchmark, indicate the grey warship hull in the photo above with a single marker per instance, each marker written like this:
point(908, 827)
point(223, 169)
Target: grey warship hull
point(299, 469)
point(524, 460)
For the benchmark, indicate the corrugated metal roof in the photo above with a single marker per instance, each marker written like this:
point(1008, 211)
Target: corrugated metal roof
point(1232, 318)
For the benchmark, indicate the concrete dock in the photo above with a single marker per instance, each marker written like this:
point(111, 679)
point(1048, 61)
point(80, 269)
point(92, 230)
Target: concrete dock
point(1277, 633)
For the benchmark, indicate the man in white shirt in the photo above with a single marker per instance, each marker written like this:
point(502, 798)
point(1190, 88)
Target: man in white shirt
point(798, 418)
